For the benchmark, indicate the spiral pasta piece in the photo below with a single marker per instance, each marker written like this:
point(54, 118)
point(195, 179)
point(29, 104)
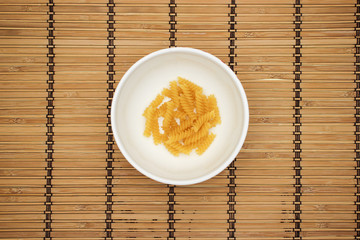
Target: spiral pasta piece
point(166, 92)
point(180, 147)
point(155, 131)
point(171, 149)
point(162, 110)
point(149, 121)
point(191, 85)
point(174, 93)
point(168, 115)
point(180, 135)
point(188, 108)
point(200, 102)
point(182, 124)
point(205, 144)
point(155, 103)
point(213, 106)
point(180, 115)
point(188, 94)
point(195, 136)
point(207, 117)
point(173, 123)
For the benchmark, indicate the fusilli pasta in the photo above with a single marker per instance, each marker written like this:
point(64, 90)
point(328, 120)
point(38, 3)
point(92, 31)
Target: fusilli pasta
point(186, 118)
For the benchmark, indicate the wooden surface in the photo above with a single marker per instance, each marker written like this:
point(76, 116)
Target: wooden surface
point(63, 177)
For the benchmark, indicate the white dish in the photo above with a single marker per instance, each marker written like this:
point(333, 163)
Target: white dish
point(140, 85)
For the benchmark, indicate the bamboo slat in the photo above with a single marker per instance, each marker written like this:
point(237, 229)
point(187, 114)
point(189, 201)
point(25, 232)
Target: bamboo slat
point(63, 177)
point(37, 213)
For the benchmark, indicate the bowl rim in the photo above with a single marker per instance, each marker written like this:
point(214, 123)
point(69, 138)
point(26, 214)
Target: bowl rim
point(244, 105)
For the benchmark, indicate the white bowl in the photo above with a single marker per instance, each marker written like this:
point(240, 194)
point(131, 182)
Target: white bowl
point(140, 85)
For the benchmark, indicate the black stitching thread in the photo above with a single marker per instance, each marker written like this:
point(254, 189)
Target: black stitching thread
point(49, 122)
point(297, 124)
point(110, 140)
point(232, 174)
point(171, 194)
point(357, 118)
point(171, 213)
point(172, 22)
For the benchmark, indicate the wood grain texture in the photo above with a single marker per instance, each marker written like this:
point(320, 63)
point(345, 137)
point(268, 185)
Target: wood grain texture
point(296, 68)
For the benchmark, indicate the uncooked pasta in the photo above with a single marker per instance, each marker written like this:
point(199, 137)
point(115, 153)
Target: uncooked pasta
point(181, 116)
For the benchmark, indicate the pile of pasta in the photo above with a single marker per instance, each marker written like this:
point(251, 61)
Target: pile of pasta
point(181, 118)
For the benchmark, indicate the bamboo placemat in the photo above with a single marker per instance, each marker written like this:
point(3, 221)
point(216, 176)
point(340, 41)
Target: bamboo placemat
point(63, 177)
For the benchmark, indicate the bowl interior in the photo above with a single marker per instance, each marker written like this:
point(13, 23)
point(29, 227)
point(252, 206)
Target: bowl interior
point(139, 87)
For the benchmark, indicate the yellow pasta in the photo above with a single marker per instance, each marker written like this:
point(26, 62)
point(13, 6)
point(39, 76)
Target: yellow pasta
point(182, 123)
point(174, 93)
point(207, 117)
point(180, 147)
point(173, 123)
point(149, 114)
point(192, 85)
point(181, 135)
point(157, 101)
point(188, 108)
point(196, 136)
point(180, 115)
point(156, 132)
point(168, 115)
point(166, 92)
point(213, 106)
point(200, 101)
point(205, 144)
point(188, 93)
point(171, 149)
point(162, 110)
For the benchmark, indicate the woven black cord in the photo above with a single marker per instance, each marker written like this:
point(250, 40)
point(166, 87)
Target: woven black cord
point(357, 119)
point(232, 174)
point(49, 122)
point(110, 139)
point(297, 123)
point(171, 193)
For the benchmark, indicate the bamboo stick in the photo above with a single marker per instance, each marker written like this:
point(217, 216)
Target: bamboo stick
point(264, 59)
